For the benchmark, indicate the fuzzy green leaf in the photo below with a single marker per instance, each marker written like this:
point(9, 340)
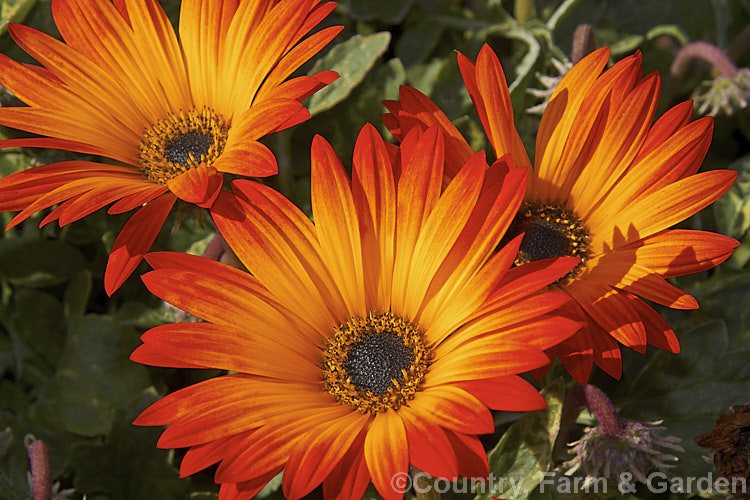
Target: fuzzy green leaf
point(13, 11)
point(352, 60)
point(524, 453)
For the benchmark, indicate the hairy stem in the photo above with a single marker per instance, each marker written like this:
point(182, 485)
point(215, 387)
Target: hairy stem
point(707, 52)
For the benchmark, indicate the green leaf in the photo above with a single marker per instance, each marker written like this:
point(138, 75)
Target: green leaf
point(524, 453)
point(77, 293)
point(94, 377)
point(12, 162)
point(352, 60)
point(38, 263)
point(141, 315)
point(13, 11)
point(417, 41)
point(127, 465)
point(688, 391)
point(388, 11)
point(39, 324)
point(732, 210)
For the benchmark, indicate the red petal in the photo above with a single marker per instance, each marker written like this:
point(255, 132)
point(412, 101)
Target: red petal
point(472, 459)
point(386, 453)
point(315, 456)
point(134, 240)
point(351, 477)
point(577, 354)
point(505, 393)
point(429, 448)
point(610, 309)
point(199, 185)
point(658, 332)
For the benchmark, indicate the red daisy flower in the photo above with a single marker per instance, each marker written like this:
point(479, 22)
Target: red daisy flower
point(606, 186)
point(376, 338)
point(177, 114)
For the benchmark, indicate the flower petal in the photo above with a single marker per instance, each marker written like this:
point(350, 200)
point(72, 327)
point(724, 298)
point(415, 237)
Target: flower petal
point(440, 231)
point(317, 453)
point(678, 252)
point(511, 393)
point(199, 185)
point(337, 226)
point(483, 358)
point(206, 345)
point(472, 459)
point(134, 240)
point(414, 109)
point(663, 208)
point(611, 310)
point(350, 478)
point(451, 408)
point(495, 98)
point(386, 452)
point(430, 450)
point(418, 191)
point(277, 244)
point(374, 195)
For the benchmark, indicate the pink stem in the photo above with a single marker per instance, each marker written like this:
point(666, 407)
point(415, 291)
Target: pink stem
point(709, 53)
point(583, 42)
point(601, 406)
point(41, 474)
point(216, 248)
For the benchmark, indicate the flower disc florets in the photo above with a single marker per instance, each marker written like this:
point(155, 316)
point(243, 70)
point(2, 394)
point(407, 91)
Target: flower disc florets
point(375, 363)
point(550, 231)
point(181, 142)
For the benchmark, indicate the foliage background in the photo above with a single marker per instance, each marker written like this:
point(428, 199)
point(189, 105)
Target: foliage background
point(65, 376)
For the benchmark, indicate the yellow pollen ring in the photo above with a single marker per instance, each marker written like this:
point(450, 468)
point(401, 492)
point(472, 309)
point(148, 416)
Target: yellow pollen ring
point(339, 383)
point(180, 142)
point(566, 235)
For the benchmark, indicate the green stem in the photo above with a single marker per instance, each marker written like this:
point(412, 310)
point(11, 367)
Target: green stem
point(524, 10)
point(424, 486)
point(561, 13)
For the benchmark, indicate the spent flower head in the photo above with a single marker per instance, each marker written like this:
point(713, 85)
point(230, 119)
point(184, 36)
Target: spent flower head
point(730, 439)
point(638, 451)
point(615, 446)
point(724, 94)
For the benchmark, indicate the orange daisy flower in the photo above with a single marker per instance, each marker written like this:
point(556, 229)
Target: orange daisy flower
point(176, 114)
point(606, 185)
point(376, 338)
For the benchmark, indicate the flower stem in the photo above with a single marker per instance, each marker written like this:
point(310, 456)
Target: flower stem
point(601, 406)
point(706, 51)
point(41, 475)
point(583, 42)
point(215, 248)
point(425, 487)
point(523, 10)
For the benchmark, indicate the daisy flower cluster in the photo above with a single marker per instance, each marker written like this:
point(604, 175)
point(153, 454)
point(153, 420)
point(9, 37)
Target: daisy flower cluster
point(428, 286)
